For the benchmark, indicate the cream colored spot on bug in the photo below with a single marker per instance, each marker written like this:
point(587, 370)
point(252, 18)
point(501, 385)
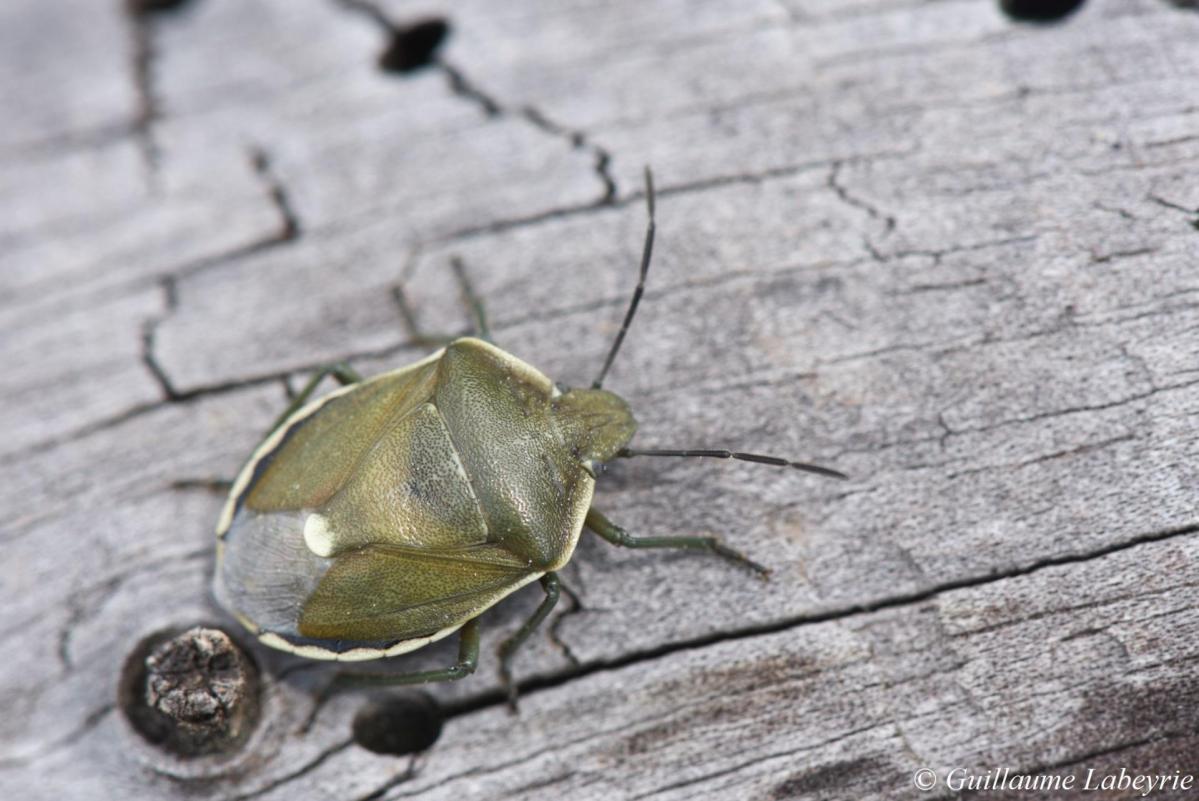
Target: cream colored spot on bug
point(317, 535)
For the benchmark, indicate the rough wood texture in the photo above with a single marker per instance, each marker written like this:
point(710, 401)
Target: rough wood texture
point(949, 254)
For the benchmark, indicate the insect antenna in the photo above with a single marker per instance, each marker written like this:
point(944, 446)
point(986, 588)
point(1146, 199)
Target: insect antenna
point(646, 252)
point(628, 453)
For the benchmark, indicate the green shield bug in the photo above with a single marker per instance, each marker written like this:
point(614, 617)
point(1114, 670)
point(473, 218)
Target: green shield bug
point(394, 511)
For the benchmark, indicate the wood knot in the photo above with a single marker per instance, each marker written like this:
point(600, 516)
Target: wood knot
point(193, 693)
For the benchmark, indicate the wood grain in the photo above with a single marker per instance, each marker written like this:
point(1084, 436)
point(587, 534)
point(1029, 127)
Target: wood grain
point(950, 254)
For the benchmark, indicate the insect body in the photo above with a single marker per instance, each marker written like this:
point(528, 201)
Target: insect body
point(394, 511)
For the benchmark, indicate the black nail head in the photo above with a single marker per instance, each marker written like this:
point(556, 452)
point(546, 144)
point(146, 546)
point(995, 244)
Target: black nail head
point(146, 7)
point(413, 46)
point(1039, 10)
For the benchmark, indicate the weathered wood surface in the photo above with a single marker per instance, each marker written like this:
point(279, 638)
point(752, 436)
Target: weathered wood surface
point(952, 255)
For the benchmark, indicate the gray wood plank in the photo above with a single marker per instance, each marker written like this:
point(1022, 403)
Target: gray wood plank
point(949, 254)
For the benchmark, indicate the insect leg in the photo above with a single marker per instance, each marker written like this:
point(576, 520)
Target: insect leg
point(418, 335)
point(468, 660)
point(473, 303)
point(341, 371)
point(478, 313)
point(549, 582)
point(616, 535)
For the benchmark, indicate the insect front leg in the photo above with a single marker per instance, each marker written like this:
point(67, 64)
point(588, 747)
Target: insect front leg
point(341, 371)
point(468, 660)
point(472, 300)
point(551, 585)
point(474, 305)
point(597, 522)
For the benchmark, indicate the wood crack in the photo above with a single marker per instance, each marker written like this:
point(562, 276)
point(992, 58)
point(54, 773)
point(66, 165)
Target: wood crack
point(1167, 204)
point(1099, 753)
point(769, 757)
point(834, 183)
point(148, 107)
point(91, 721)
point(578, 140)
point(705, 184)
point(299, 773)
point(406, 775)
point(81, 606)
point(144, 17)
point(388, 351)
point(289, 222)
point(551, 680)
point(1116, 255)
point(150, 332)
point(1061, 454)
point(462, 86)
point(289, 230)
point(1094, 407)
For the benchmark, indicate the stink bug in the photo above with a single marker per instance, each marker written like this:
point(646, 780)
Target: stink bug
point(394, 511)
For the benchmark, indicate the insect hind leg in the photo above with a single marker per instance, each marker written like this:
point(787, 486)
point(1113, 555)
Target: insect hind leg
point(468, 660)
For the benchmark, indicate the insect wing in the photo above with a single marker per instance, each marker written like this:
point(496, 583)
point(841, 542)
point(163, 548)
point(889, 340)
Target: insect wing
point(312, 455)
point(389, 592)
